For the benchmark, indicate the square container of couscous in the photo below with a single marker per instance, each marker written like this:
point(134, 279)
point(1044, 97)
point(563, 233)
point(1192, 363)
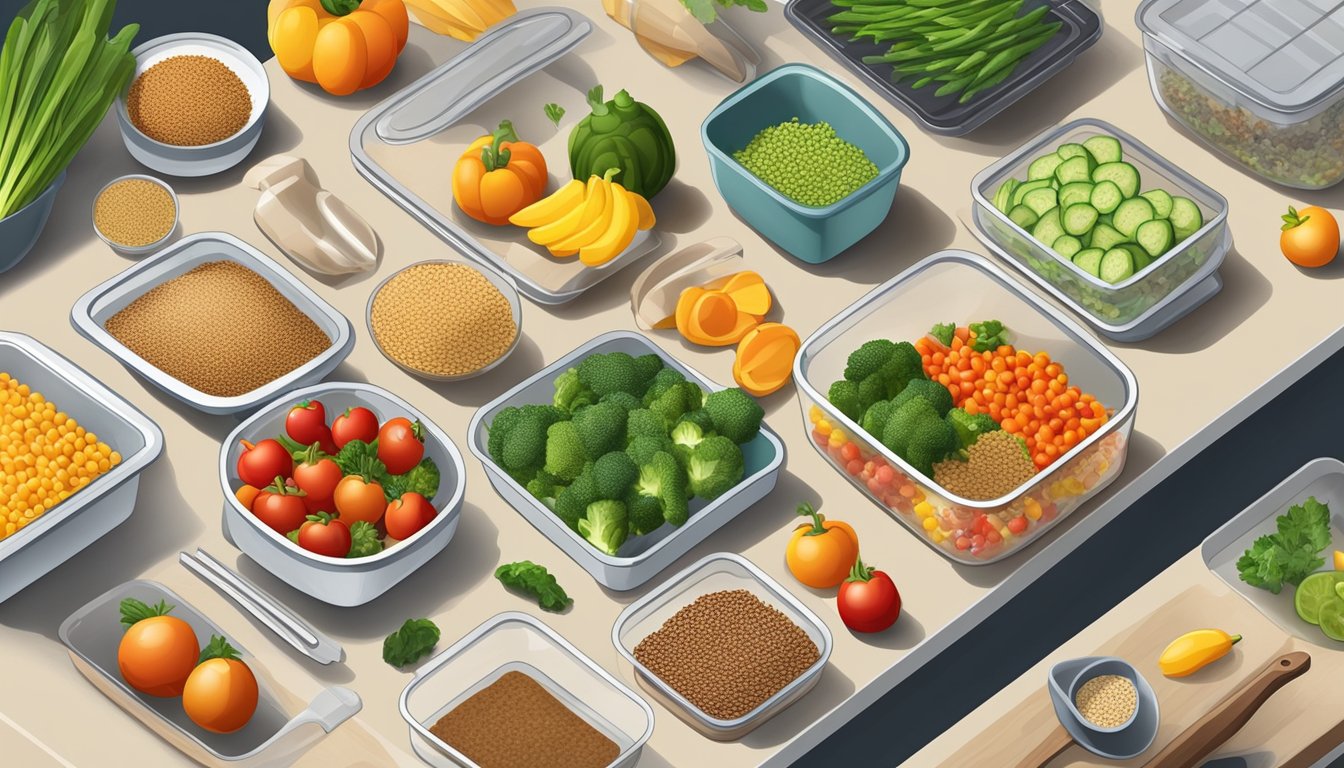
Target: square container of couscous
point(71, 453)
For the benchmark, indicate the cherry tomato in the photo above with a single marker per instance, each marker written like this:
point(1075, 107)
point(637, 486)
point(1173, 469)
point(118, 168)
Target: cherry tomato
point(821, 553)
point(260, 464)
point(407, 515)
point(281, 508)
point(306, 424)
point(868, 600)
point(325, 535)
point(358, 498)
point(318, 478)
point(1310, 237)
point(246, 495)
point(221, 693)
point(401, 444)
point(356, 423)
point(158, 651)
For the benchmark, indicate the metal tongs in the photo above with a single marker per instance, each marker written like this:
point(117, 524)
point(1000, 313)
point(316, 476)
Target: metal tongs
point(264, 608)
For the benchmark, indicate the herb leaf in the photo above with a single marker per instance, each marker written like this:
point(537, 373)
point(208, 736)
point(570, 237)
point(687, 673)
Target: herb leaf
point(944, 332)
point(364, 540)
point(218, 648)
point(990, 334)
point(1291, 554)
point(423, 479)
point(554, 112)
point(416, 638)
point(535, 580)
point(133, 611)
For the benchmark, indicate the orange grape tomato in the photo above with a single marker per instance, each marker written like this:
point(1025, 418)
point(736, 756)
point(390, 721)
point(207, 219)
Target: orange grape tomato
point(246, 495)
point(221, 693)
point(157, 651)
point(821, 553)
point(1309, 237)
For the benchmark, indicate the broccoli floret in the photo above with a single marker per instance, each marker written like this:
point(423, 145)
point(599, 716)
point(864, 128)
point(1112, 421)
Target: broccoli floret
point(867, 359)
point(499, 429)
point(646, 367)
point(677, 400)
point(611, 372)
point(715, 466)
point(685, 436)
point(613, 474)
point(573, 500)
point(872, 390)
point(663, 480)
point(645, 513)
point(902, 422)
point(544, 488)
point(969, 427)
point(736, 415)
point(601, 429)
point(642, 422)
point(904, 366)
point(944, 332)
point(565, 456)
point(625, 400)
point(875, 418)
point(525, 448)
point(844, 395)
point(570, 393)
point(991, 334)
point(605, 525)
point(933, 392)
point(916, 433)
point(642, 448)
point(662, 381)
point(701, 418)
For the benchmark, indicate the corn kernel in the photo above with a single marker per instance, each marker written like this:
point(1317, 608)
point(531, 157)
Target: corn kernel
point(1033, 509)
point(824, 427)
point(924, 510)
point(814, 415)
point(930, 524)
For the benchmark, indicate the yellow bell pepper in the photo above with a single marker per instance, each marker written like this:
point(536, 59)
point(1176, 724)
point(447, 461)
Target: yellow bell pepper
point(1192, 651)
point(342, 45)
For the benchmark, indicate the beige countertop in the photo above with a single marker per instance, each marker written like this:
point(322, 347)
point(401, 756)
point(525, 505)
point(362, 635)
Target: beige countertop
point(1196, 382)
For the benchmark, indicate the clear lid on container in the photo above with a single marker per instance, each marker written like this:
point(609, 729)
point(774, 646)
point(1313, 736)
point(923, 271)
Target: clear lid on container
point(1284, 55)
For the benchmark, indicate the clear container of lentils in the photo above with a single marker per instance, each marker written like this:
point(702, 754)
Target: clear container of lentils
point(723, 646)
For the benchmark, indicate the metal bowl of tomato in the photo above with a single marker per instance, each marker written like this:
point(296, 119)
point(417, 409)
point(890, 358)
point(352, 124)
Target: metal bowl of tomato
point(374, 514)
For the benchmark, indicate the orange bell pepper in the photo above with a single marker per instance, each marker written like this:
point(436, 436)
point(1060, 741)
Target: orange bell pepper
point(822, 553)
point(498, 176)
point(342, 45)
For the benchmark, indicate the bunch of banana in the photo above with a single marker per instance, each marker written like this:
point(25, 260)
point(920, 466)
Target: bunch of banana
point(462, 19)
point(597, 220)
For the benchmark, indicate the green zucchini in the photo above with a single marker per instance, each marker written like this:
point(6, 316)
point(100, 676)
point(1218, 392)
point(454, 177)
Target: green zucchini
point(1161, 200)
point(1089, 260)
point(1077, 192)
point(1106, 197)
point(1131, 214)
point(1140, 256)
point(1048, 229)
point(1041, 200)
point(1116, 266)
point(1043, 167)
point(1125, 176)
point(1186, 218)
point(1155, 236)
point(1105, 237)
point(1024, 188)
point(1079, 219)
point(1067, 151)
point(1067, 246)
point(1106, 149)
point(1023, 217)
point(1003, 198)
point(1079, 168)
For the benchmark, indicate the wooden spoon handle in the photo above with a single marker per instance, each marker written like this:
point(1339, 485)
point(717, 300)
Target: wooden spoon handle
point(1191, 747)
point(1054, 744)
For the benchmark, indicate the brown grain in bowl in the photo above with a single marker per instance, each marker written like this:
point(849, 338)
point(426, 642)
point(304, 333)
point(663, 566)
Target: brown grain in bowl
point(135, 212)
point(189, 101)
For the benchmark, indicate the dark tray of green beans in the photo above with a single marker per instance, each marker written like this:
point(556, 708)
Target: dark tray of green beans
point(951, 64)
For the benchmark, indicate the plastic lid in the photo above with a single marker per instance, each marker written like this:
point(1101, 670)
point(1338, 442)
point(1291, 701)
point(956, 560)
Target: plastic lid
point(1287, 55)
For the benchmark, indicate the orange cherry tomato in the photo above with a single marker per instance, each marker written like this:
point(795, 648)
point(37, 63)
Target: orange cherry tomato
point(359, 499)
point(822, 553)
point(1310, 237)
point(158, 651)
point(221, 693)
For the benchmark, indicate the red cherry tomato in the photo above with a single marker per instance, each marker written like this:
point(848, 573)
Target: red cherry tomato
point(407, 515)
point(306, 424)
point(325, 535)
point(401, 444)
point(260, 464)
point(868, 600)
point(356, 423)
point(318, 477)
point(280, 507)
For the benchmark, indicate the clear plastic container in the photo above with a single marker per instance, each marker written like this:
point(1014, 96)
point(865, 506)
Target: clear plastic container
point(511, 642)
point(1258, 80)
point(716, 573)
point(962, 287)
point(1121, 309)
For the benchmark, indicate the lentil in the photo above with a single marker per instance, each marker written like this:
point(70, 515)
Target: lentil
point(134, 212)
point(996, 464)
point(189, 101)
point(807, 162)
point(220, 328)
point(516, 723)
point(442, 319)
point(727, 653)
point(1107, 701)
point(45, 455)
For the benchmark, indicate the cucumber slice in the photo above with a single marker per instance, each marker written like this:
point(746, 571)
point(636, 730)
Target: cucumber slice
point(1023, 189)
point(1131, 214)
point(1106, 197)
point(1043, 167)
point(1161, 200)
point(1077, 192)
point(1067, 151)
point(1186, 218)
point(1089, 260)
point(1140, 256)
point(1048, 229)
point(1125, 176)
point(1078, 168)
point(1024, 217)
point(1105, 237)
point(1116, 265)
point(1041, 200)
point(1106, 149)
point(1156, 237)
point(1079, 219)
point(1106, 219)
point(1003, 198)
point(1067, 246)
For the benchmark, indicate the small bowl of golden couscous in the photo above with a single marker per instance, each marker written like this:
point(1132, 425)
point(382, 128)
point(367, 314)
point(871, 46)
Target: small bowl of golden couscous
point(135, 214)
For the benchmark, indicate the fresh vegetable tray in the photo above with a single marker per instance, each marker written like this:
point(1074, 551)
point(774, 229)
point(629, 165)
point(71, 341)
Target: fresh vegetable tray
point(1082, 27)
point(956, 284)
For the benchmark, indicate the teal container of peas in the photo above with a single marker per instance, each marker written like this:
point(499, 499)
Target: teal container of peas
point(816, 189)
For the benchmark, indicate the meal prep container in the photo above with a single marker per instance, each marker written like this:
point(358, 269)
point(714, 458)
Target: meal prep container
point(1139, 306)
point(962, 287)
point(944, 114)
point(406, 144)
point(337, 580)
point(20, 230)
point(808, 233)
point(139, 250)
point(94, 308)
point(716, 573)
point(640, 558)
point(103, 504)
point(1260, 81)
point(501, 284)
point(1322, 478)
point(271, 739)
point(207, 159)
point(517, 642)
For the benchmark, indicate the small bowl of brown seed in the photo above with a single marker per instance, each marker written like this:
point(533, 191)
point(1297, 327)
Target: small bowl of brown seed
point(1105, 704)
point(195, 106)
point(135, 214)
point(445, 320)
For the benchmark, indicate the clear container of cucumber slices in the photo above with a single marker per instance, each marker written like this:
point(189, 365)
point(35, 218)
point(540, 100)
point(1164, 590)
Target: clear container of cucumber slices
point(1124, 238)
